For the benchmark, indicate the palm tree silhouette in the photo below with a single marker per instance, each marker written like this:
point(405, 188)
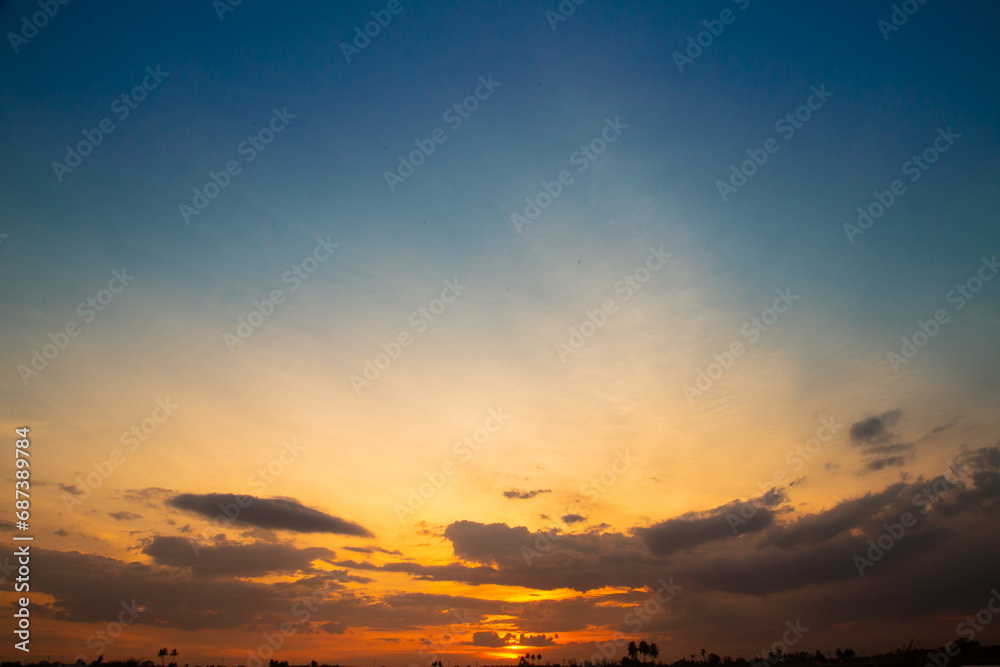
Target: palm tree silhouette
point(633, 651)
point(644, 649)
point(654, 651)
point(162, 654)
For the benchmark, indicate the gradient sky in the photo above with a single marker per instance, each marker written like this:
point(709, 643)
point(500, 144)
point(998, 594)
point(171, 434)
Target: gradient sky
point(567, 468)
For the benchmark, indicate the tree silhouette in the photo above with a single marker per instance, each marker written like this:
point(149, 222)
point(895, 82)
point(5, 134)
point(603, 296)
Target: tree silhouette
point(644, 649)
point(654, 651)
point(702, 654)
point(162, 654)
point(633, 651)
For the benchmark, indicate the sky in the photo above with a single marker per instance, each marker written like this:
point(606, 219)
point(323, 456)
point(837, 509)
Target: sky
point(499, 328)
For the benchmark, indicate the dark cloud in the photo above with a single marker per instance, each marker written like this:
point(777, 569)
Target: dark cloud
point(333, 628)
point(943, 565)
point(840, 519)
point(941, 429)
point(570, 519)
point(92, 589)
point(700, 549)
point(232, 560)
point(494, 640)
point(489, 639)
point(272, 513)
point(873, 465)
point(124, 516)
point(693, 530)
point(70, 489)
point(874, 437)
point(874, 430)
point(535, 640)
point(520, 494)
point(373, 549)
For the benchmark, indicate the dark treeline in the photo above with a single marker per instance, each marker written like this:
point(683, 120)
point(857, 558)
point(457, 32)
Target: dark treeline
point(959, 653)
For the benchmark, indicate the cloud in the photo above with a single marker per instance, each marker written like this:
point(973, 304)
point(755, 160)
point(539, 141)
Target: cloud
point(878, 464)
point(71, 489)
point(534, 640)
point(874, 436)
point(233, 560)
point(489, 639)
point(945, 562)
point(519, 494)
point(333, 628)
point(373, 549)
point(124, 516)
point(88, 588)
point(494, 640)
point(692, 530)
point(699, 549)
point(874, 430)
point(570, 519)
point(840, 519)
point(273, 513)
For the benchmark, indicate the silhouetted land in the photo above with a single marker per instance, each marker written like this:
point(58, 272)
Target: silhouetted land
point(969, 653)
